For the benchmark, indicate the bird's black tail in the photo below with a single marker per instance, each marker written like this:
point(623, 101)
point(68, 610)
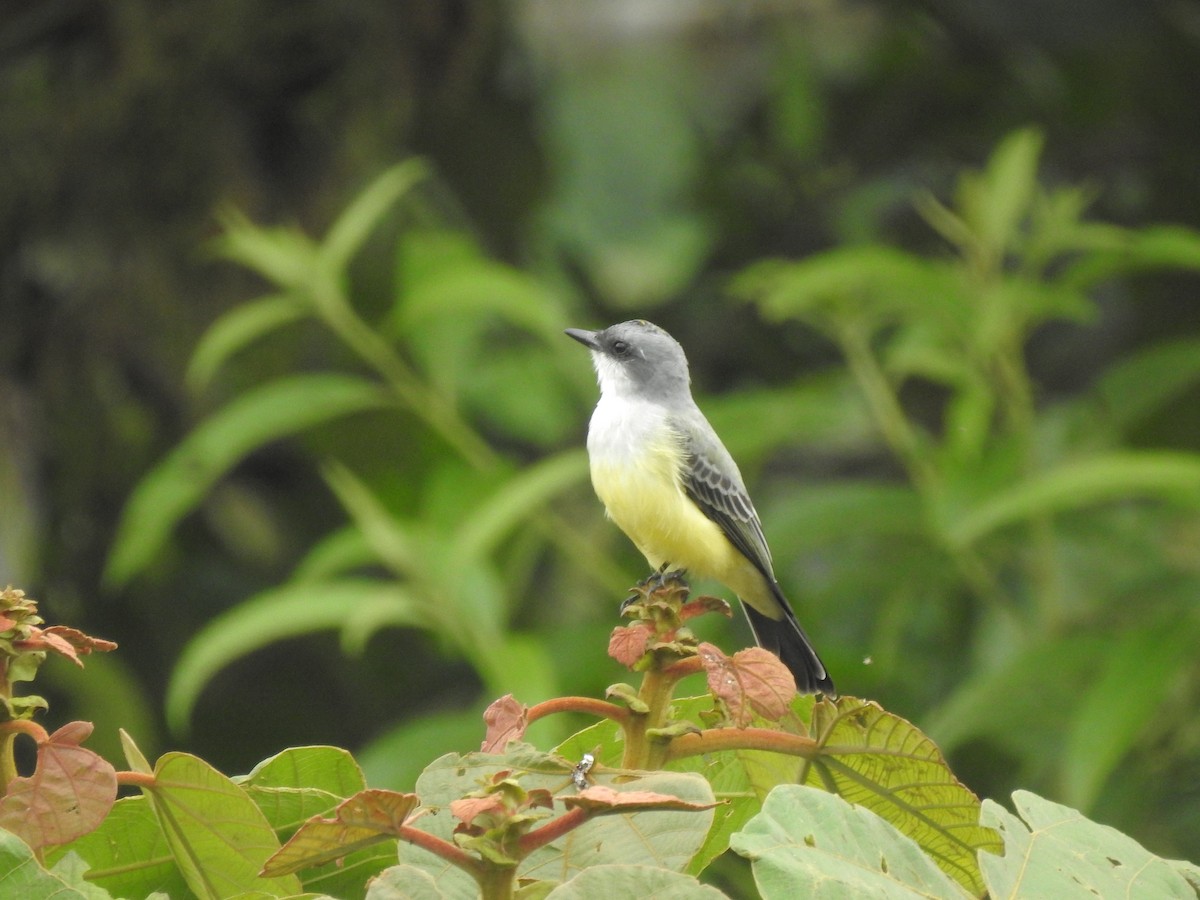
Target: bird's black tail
point(787, 640)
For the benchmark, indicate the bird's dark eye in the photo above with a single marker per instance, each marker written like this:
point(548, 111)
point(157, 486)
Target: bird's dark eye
point(620, 348)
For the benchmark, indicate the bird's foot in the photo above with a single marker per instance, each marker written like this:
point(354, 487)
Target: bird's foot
point(661, 577)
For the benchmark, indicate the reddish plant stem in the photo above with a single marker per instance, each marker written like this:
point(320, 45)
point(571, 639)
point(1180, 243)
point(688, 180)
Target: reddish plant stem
point(25, 726)
point(443, 849)
point(600, 708)
point(136, 779)
point(552, 830)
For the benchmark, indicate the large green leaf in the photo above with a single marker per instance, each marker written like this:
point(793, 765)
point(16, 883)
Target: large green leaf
point(128, 854)
point(302, 782)
point(290, 610)
point(1053, 851)
point(633, 881)
point(662, 838)
point(177, 484)
point(21, 875)
point(879, 761)
point(218, 837)
point(807, 843)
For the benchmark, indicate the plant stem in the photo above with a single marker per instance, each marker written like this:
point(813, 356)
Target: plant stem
point(600, 708)
point(641, 751)
point(496, 882)
point(1046, 574)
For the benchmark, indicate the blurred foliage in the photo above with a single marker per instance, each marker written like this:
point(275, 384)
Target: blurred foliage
point(1044, 549)
point(970, 422)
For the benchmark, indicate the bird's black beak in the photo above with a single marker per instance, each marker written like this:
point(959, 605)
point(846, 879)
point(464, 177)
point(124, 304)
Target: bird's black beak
point(587, 338)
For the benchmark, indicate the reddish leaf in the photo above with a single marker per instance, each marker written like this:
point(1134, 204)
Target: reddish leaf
point(69, 642)
point(468, 808)
point(364, 819)
point(69, 793)
point(506, 721)
point(751, 681)
point(6, 623)
point(628, 643)
point(705, 604)
point(600, 798)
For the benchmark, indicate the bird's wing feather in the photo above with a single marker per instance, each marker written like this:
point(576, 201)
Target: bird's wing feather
point(711, 480)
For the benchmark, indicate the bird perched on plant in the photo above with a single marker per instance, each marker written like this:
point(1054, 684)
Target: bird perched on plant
point(669, 483)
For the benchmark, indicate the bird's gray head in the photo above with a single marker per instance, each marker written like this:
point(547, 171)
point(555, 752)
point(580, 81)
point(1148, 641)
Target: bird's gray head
point(637, 359)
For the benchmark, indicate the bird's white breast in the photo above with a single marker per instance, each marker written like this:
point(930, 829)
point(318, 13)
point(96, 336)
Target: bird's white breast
point(636, 459)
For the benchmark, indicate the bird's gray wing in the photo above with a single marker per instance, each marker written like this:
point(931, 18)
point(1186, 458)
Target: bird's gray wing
point(711, 479)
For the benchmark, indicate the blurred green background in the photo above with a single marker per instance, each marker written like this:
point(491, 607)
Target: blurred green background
point(286, 411)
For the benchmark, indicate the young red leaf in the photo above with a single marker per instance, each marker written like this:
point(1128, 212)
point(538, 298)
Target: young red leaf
point(628, 643)
point(506, 721)
point(69, 642)
point(601, 798)
point(751, 681)
point(364, 819)
point(705, 604)
point(468, 808)
point(69, 793)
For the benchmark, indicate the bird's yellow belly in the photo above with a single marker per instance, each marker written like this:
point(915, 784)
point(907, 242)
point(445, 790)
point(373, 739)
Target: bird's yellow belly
point(649, 505)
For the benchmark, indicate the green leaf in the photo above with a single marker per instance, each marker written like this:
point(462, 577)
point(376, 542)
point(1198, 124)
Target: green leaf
point(301, 782)
point(235, 330)
point(1146, 249)
point(1053, 851)
point(337, 553)
point(283, 256)
point(290, 610)
point(411, 883)
point(218, 837)
point(666, 839)
point(483, 288)
point(824, 411)
point(807, 843)
point(347, 235)
point(871, 282)
point(741, 779)
point(877, 760)
point(392, 540)
point(177, 484)
point(128, 854)
point(1141, 668)
point(1136, 387)
point(22, 876)
point(74, 871)
point(633, 881)
point(518, 498)
point(997, 201)
point(1173, 476)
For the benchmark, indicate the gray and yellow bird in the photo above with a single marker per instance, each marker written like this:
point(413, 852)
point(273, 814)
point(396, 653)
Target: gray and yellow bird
point(669, 483)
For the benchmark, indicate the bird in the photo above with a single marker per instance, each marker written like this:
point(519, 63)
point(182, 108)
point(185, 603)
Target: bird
point(667, 481)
